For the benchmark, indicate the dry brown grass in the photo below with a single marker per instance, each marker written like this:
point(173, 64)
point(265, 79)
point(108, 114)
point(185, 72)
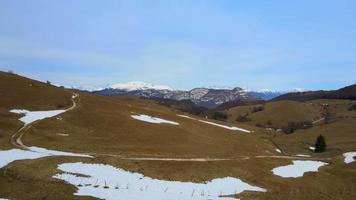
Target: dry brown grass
point(278, 113)
point(103, 125)
point(108, 128)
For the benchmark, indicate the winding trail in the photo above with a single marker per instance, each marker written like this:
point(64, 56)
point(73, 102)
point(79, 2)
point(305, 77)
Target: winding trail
point(16, 140)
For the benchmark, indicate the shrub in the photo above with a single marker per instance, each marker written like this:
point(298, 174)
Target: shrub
point(320, 144)
point(257, 108)
point(220, 116)
point(289, 128)
point(242, 118)
point(292, 126)
point(352, 107)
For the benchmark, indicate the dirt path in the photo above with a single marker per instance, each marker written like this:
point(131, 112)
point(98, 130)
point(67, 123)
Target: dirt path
point(319, 120)
point(200, 159)
point(16, 138)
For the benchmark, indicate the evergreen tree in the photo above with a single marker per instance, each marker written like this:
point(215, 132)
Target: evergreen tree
point(320, 144)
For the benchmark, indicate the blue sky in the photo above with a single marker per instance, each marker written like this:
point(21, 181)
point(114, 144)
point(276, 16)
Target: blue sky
point(182, 43)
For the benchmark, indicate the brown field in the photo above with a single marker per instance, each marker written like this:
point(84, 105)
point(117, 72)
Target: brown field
point(103, 127)
point(279, 113)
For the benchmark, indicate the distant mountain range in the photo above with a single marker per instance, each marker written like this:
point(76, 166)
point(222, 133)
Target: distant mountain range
point(205, 97)
point(215, 97)
point(348, 92)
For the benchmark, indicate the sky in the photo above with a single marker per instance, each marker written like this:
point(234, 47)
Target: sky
point(257, 44)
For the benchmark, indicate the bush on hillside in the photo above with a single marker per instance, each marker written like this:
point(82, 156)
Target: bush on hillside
point(222, 116)
point(292, 126)
point(352, 107)
point(257, 108)
point(242, 118)
point(320, 144)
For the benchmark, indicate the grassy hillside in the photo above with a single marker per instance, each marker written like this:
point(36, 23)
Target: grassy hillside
point(17, 91)
point(338, 129)
point(108, 127)
point(278, 113)
point(20, 92)
point(103, 127)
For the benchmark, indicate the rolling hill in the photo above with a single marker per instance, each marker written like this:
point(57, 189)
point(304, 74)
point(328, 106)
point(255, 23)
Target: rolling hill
point(143, 136)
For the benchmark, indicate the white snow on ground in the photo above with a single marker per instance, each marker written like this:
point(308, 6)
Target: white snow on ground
point(63, 134)
point(8, 156)
point(312, 148)
point(31, 116)
point(278, 150)
point(186, 116)
point(3, 199)
point(155, 120)
point(56, 153)
point(219, 125)
point(227, 127)
point(134, 186)
point(349, 157)
point(298, 168)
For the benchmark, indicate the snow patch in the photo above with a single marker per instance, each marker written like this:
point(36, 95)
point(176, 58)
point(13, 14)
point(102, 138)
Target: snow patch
point(31, 116)
point(349, 157)
point(155, 120)
point(107, 182)
point(298, 168)
point(278, 150)
point(56, 153)
point(63, 134)
point(186, 116)
point(312, 148)
point(8, 156)
point(227, 127)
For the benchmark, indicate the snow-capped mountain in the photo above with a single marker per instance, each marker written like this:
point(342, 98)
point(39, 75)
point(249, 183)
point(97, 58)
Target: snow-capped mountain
point(206, 97)
point(137, 85)
point(265, 94)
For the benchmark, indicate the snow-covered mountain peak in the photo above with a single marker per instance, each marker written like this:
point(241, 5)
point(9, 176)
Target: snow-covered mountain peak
point(298, 90)
point(138, 85)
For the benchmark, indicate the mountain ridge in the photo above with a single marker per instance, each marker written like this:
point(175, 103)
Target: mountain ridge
point(201, 96)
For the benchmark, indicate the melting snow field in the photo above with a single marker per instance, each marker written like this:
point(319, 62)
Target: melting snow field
point(298, 168)
point(31, 116)
point(8, 156)
point(108, 182)
point(155, 120)
point(349, 157)
point(227, 127)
